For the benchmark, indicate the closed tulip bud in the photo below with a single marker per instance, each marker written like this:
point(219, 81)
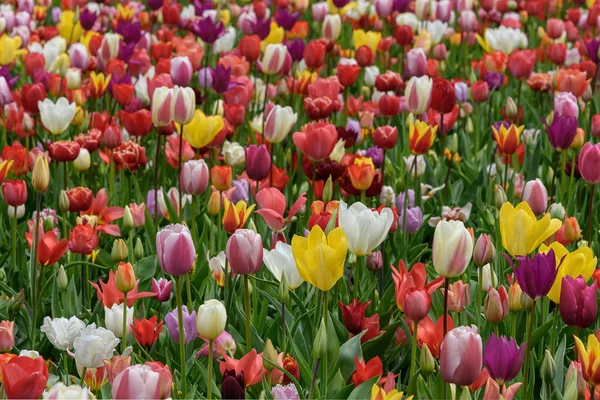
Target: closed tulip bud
point(488, 277)
point(374, 261)
point(514, 297)
point(161, 106)
point(125, 277)
point(499, 196)
point(73, 78)
point(426, 362)
point(485, 251)
point(194, 177)
point(17, 302)
point(211, 319)
point(536, 195)
point(575, 372)
point(62, 281)
point(328, 190)
point(183, 105)
point(495, 307)
point(332, 27)
point(579, 139)
point(138, 250)
point(596, 126)
point(83, 161)
point(214, 203)
point(578, 306)
point(269, 354)
point(175, 249)
point(510, 108)
point(119, 250)
point(416, 303)
point(284, 290)
point(181, 70)
point(461, 356)
point(557, 211)
point(279, 122)
point(127, 218)
point(589, 159)
point(252, 225)
point(320, 342)
point(418, 94)
point(63, 201)
point(40, 177)
point(548, 370)
point(526, 302)
point(452, 248)
point(572, 230)
point(245, 252)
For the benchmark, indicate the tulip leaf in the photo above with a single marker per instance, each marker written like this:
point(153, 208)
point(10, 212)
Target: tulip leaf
point(423, 391)
point(343, 393)
point(55, 301)
point(540, 332)
point(336, 384)
point(173, 215)
point(559, 360)
point(534, 163)
point(378, 345)
point(363, 390)
point(348, 351)
point(70, 301)
point(145, 268)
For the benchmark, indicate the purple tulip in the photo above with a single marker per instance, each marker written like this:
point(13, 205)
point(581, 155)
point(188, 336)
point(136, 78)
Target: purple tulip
point(592, 48)
point(376, 155)
point(503, 358)
point(494, 80)
point(221, 77)
point(5, 73)
point(190, 331)
point(410, 202)
point(261, 28)
point(286, 20)
point(155, 4)
point(162, 289)
point(296, 49)
point(536, 275)
point(241, 191)
point(126, 50)
point(340, 3)
point(258, 162)
point(200, 6)
point(562, 131)
point(401, 5)
point(414, 219)
point(175, 249)
point(208, 31)
point(131, 31)
point(578, 305)
point(87, 19)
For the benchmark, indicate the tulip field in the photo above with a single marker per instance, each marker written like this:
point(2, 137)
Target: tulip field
point(300, 199)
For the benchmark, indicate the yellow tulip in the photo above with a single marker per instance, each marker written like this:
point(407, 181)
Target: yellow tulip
point(225, 16)
point(579, 262)
point(9, 48)
point(320, 259)
point(378, 393)
point(423, 40)
point(202, 129)
point(521, 231)
point(276, 35)
point(125, 13)
point(69, 27)
point(369, 39)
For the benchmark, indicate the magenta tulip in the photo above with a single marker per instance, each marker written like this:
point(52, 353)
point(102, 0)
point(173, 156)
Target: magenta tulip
point(175, 249)
point(578, 305)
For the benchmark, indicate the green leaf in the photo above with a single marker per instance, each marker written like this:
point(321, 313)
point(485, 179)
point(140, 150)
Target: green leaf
point(363, 391)
point(539, 332)
point(348, 351)
point(423, 391)
point(559, 360)
point(336, 384)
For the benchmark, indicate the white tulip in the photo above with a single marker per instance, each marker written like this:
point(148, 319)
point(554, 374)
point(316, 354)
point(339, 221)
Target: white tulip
point(29, 353)
point(225, 42)
point(61, 392)
point(93, 346)
point(365, 229)
point(332, 27)
point(141, 90)
point(234, 154)
point(280, 261)
point(20, 211)
point(452, 248)
point(61, 332)
point(436, 29)
point(506, 39)
point(279, 123)
point(408, 161)
point(56, 117)
point(83, 160)
point(113, 319)
point(211, 319)
point(371, 72)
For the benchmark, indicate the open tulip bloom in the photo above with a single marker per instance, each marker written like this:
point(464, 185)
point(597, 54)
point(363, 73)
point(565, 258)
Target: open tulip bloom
point(317, 199)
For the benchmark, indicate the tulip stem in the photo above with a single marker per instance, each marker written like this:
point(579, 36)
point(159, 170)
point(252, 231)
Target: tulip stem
point(66, 368)
point(528, 350)
point(359, 262)
point(124, 342)
point(35, 292)
point(571, 182)
point(156, 157)
point(446, 289)
point(247, 312)
point(314, 379)
point(14, 239)
point(283, 334)
point(181, 340)
point(413, 356)
point(111, 177)
point(326, 318)
point(552, 185)
point(478, 305)
point(590, 215)
point(553, 342)
point(519, 90)
point(210, 370)
point(264, 107)
point(82, 379)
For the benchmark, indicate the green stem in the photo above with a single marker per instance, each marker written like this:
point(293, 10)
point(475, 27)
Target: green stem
point(124, 342)
point(193, 220)
point(14, 239)
point(181, 330)
point(283, 333)
point(553, 342)
point(413, 355)
point(590, 216)
point(82, 379)
point(359, 261)
point(528, 350)
point(111, 179)
point(66, 368)
point(571, 183)
point(326, 318)
point(247, 311)
point(478, 305)
point(188, 287)
point(35, 293)
point(210, 370)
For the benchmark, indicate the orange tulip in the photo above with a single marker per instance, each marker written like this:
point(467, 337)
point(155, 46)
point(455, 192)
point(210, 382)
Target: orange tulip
point(508, 139)
point(572, 80)
point(362, 173)
point(235, 216)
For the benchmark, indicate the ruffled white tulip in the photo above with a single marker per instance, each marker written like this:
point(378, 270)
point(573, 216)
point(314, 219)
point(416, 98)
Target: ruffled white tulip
point(56, 117)
point(506, 39)
point(61, 392)
point(61, 332)
point(93, 346)
point(280, 261)
point(365, 229)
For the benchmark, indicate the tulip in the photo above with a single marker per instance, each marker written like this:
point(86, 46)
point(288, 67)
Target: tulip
point(56, 117)
point(258, 162)
point(125, 277)
point(60, 391)
point(536, 196)
point(162, 289)
point(416, 303)
point(61, 332)
point(536, 275)
point(418, 94)
point(316, 140)
point(320, 258)
point(588, 358)
point(421, 136)
point(244, 252)
point(521, 232)
point(114, 319)
point(161, 106)
point(361, 173)
point(460, 356)
point(181, 70)
point(332, 27)
point(574, 373)
point(279, 122)
point(365, 229)
point(183, 105)
point(495, 307)
point(175, 249)
point(280, 261)
point(93, 346)
point(24, 377)
point(589, 162)
point(14, 192)
point(202, 130)
point(220, 177)
point(194, 177)
point(385, 137)
point(484, 251)
point(50, 249)
point(458, 296)
point(578, 306)
point(452, 248)
point(140, 381)
point(40, 177)
point(507, 139)
point(190, 331)
point(146, 331)
point(233, 385)
point(562, 131)
point(273, 58)
point(7, 336)
point(235, 216)
point(374, 261)
point(503, 358)
point(573, 81)
point(211, 319)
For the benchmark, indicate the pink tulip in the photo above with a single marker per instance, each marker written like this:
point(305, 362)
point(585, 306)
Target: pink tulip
point(536, 195)
point(194, 177)
point(244, 252)
point(443, 11)
point(79, 56)
point(141, 382)
point(565, 104)
point(461, 356)
point(589, 163)
point(416, 63)
point(272, 205)
point(492, 390)
point(181, 70)
point(175, 249)
point(7, 336)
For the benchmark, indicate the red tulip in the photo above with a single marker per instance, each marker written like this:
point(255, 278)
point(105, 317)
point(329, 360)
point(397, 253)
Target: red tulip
point(64, 150)
point(31, 94)
point(480, 91)
point(521, 63)
point(316, 141)
point(122, 93)
point(146, 331)
point(404, 35)
point(83, 239)
point(557, 53)
point(365, 371)
point(385, 137)
point(389, 81)
point(389, 106)
point(364, 56)
point(138, 123)
point(15, 192)
point(347, 74)
point(50, 249)
point(249, 47)
point(130, 155)
point(34, 62)
point(443, 97)
point(80, 199)
point(314, 54)
point(25, 377)
point(18, 155)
